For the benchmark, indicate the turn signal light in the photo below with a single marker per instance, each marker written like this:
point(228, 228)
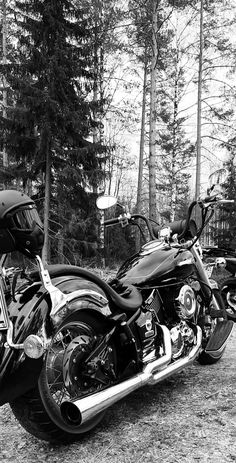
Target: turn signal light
point(33, 346)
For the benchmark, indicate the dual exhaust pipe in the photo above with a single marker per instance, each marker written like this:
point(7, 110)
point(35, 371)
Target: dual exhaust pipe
point(77, 412)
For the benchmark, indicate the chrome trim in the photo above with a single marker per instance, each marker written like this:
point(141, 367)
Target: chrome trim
point(4, 317)
point(56, 295)
point(188, 261)
point(10, 343)
point(79, 293)
point(60, 299)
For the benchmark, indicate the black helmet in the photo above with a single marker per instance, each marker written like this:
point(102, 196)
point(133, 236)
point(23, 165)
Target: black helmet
point(20, 226)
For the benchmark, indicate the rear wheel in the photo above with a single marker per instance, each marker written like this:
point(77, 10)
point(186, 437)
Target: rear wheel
point(66, 375)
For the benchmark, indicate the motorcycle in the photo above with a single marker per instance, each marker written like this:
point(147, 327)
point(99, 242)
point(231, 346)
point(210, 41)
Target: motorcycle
point(222, 258)
point(72, 344)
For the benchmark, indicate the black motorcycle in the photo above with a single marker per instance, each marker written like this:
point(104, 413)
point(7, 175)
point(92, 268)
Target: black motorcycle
point(71, 344)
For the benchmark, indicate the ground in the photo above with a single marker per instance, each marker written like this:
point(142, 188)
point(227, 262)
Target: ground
point(190, 417)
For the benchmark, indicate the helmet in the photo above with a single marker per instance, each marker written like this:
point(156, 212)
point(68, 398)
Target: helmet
point(20, 226)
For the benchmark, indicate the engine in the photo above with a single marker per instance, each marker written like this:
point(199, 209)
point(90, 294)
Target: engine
point(180, 302)
point(186, 303)
point(176, 306)
point(180, 306)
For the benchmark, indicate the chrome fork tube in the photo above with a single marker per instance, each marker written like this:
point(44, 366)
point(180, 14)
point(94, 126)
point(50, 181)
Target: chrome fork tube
point(203, 274)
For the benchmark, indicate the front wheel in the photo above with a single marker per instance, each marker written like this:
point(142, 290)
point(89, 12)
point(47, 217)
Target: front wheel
point(67, 375)
point(206, 358)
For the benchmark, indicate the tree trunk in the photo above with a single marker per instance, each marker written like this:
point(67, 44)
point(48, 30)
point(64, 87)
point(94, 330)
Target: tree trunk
point(98, 131)
point(199, 109)
point(60, 248)
point(46, 247)
point(152, 137)
point(173, 200)
point(4, 61)
point(60, 234)
point(141, 151)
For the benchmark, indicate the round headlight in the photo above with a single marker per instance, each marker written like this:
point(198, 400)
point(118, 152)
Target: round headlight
point(33, 346)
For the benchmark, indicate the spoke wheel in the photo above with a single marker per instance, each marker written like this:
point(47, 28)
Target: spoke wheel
point(65, 376)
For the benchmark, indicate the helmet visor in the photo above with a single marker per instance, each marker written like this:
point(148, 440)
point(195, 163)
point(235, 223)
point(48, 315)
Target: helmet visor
point(25, 219)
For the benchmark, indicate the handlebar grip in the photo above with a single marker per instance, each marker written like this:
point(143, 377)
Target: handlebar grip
point(111, 221)
point(177, 227)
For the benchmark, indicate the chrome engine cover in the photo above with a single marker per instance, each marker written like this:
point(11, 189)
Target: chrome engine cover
point(182, 336)
point(186, 302)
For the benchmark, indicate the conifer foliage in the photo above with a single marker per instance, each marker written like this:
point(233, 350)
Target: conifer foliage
point(50, 117)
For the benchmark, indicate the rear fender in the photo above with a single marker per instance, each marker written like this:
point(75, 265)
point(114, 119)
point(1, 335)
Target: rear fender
point(33, 305)
point(29, 314)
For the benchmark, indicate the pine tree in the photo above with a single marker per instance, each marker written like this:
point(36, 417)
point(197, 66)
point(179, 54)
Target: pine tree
point(51, 76)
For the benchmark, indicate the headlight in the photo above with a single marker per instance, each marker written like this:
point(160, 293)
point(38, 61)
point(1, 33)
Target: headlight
point(33, 346)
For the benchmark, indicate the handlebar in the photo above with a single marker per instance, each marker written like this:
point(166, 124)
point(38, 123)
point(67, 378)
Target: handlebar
point(124, 219)
point(185, 228)
point(111, 221)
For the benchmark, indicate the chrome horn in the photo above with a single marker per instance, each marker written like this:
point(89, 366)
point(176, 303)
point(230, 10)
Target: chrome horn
point(79, 411)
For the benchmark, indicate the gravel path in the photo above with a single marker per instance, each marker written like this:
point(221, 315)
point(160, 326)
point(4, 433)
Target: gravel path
point(189, 418)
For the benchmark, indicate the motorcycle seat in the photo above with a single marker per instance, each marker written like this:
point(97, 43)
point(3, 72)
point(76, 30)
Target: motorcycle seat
point(130, 301)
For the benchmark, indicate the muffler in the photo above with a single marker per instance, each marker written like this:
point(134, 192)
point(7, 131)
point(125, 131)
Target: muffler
point(79, 411)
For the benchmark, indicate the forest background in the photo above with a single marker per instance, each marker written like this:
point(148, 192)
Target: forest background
point(132, 98)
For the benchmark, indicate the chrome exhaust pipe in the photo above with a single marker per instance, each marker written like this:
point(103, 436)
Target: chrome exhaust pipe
point(79, 411)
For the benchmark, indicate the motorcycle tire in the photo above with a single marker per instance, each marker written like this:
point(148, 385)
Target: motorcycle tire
point(38, 410)
point(209, 359)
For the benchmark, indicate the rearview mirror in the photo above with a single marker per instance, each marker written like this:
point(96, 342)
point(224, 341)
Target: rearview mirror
point(106, 201)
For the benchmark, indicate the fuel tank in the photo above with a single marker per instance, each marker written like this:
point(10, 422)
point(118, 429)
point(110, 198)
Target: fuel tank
point(155, 262)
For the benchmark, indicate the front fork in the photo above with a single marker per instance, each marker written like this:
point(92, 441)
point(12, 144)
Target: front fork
point(204, 277)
